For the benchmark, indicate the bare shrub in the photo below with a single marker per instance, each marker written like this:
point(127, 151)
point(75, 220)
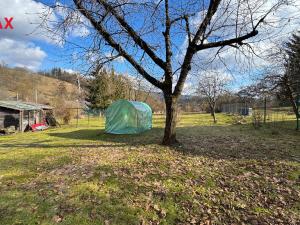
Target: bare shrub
point(238, 119)
point(67, 116)
point(257, 118)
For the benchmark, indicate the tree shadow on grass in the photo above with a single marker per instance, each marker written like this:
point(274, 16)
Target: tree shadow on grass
point(57, 146)
point(149, 137)
point(97, 138)
point(108, 194)
point(276, 141)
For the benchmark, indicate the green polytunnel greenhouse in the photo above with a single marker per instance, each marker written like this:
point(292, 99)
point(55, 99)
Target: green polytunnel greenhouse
point(128, 117)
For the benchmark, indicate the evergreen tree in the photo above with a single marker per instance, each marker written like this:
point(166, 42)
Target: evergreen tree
point(105, 88)
point(293, 63)
point(283, 77)
point(119, 86)
point(98, 96)
point(290, 81)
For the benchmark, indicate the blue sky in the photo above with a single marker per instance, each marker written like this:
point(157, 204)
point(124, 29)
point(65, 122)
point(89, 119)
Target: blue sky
point(41, 53)
point(25, 48)
point(26, 45)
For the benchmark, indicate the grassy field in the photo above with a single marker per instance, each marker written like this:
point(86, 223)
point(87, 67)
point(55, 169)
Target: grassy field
point(222, 174)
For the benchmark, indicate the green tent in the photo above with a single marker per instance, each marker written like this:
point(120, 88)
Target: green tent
point(128, 117)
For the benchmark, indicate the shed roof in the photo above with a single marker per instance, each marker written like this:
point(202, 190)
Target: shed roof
point(19, 105)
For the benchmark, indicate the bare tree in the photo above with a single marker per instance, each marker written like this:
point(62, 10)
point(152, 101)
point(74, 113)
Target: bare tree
point(149, 34)
point(282, 78)
point(211, 86)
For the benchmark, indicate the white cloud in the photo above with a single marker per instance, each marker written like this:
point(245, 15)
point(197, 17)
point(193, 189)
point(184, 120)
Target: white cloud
point(190, 87)
point(17, 47)
point(30, 22)
point(21, 54)
point(119, 59)
point(71, 71)
point(276, 29)
point(139, 83)
point(78, 25)
point(26, 19)
point(30, 18)
point(80, 31)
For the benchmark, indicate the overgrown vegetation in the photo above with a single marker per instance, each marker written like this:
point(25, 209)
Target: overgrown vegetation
point(106, 86)
point(221, 174)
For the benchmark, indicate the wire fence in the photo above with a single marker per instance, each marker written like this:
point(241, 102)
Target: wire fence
point(262, 116)
point(275, 116)
point(80, 117)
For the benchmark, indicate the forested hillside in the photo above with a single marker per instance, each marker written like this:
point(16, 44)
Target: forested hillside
point(60, 88)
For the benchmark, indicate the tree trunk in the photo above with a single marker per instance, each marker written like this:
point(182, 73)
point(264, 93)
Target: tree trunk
point(213, 114)
point(171, 117)
point(294, 105)
point(292, 100)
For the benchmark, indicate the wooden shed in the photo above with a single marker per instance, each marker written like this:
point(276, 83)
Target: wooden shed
point(21, 114)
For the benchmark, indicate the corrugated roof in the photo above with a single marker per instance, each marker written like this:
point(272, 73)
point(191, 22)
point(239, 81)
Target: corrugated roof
point(19, 105)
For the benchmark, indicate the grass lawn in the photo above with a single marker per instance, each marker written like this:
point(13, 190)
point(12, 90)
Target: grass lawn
point(223, 174)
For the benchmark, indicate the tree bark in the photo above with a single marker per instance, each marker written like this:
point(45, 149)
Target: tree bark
point(213, 114)
point(171, 119)
point(196, 44)
point(293, 103)
point(290, 96)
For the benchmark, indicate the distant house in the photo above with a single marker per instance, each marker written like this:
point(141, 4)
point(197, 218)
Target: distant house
point(21, 114)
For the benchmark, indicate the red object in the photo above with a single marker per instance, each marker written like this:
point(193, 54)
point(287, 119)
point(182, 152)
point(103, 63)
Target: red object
point(8, 23)
point(39, 126)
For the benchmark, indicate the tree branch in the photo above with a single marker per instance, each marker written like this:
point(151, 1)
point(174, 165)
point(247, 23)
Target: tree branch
point(191, 50)
point(187, 28)
point(238, 40)
point(107, 37)
point(137, 39)
point(166, 33)
point(212, 9)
